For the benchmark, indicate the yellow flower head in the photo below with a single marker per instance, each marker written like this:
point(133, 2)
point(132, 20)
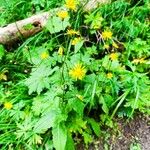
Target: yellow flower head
point(8, 105)
point(78, 72)
point(113, 56)
point(62, 14)
point(3, 76)
point(60, 50)
point(115, 45)
point(106, 46)
point(142, 60)
point(109, 75)
point(71, 4)
point(136, 61)
point(139, 60)
point(72, 32)
point(107, 35)
point(79, 97)
point(44, 55)
point(75, 41)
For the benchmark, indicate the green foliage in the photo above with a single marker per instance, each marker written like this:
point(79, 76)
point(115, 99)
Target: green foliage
point(59, 136)
point(55, 24)
point(38, 81)
point(45, 122)
point(2, 51)
point(135, 146)
point(95, 126)
point(73, 78)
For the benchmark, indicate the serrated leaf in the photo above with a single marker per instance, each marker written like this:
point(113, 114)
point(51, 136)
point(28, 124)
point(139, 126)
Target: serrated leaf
point(59, 136)
point(39, 79)
point(45, 122)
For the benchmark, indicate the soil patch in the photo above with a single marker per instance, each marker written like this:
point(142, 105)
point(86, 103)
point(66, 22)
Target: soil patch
point(131, 135)
point(134, 134)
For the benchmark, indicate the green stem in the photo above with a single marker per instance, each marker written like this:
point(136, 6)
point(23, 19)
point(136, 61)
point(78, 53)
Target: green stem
point(93, 94)
point(135, 102)
point(120, 102)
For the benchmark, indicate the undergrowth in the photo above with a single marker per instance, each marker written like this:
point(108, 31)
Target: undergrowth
point(67, 82)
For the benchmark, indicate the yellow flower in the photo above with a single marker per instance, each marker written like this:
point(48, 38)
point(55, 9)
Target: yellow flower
point(78, 72)
point(75, 41)
point(3, 76)
point(60, 50)
point(113, 56)
point(8, 105)
point(139, 60)
point(38, 139)
point(107, 35)
point(106, 46)
point(79, 97)
point(44, 55)
point(142, 60)
point(71, 4)
point(115, 45)
point(62, 14)
point(136, 61)
point(109, 75)
point(72, 32)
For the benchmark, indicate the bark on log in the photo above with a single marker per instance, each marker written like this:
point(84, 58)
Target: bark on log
point(15, 31)
point(91, 4)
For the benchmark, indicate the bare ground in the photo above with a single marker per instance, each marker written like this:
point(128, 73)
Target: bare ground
point(131, 135)
point(136, 131)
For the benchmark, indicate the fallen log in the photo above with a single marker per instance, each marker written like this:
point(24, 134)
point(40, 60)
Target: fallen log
point(23, 28)
point(34, 24)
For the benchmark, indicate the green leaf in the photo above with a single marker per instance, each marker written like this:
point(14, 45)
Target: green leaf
point(135, 146)
point(114, 65)
point(70, 143)
point(40, 104)
point(77, 105)
point(2, 51)
point(104, 105)
point(106, 62)
point(55, 24)
point(39, 79)
point(107, 120)
point(108, 100)
point(78, 46)
point(87, 138)
point(45, 122)
point(95, 126)
point(59, 136)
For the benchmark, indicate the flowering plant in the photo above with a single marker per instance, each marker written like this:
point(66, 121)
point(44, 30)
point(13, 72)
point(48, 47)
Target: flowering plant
point(82, 71)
